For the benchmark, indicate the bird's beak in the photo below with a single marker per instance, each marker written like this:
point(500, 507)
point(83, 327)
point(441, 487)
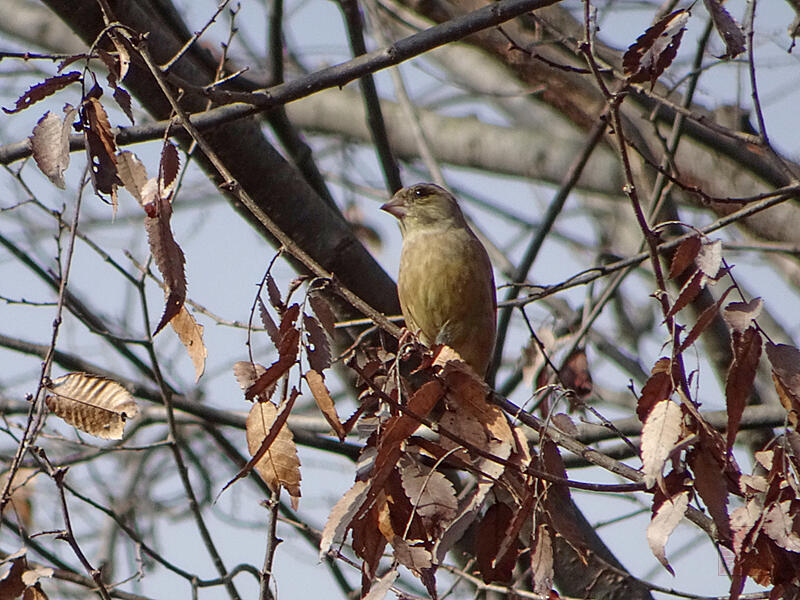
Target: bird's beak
point(396, 207)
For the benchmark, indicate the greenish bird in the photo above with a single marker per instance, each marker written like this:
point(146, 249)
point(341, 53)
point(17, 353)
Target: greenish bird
point(445, 283)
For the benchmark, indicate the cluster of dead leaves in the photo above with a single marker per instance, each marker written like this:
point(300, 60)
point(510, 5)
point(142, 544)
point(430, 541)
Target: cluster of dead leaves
point(762, 533)
point(111, 168)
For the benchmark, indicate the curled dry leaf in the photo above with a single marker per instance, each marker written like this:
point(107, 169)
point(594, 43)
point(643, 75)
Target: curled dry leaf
point(542, 560)
point(50, 144)
point(101, 147)
point(709, 259)
point(666, 518)
point(779, 524)
point(382, 585)
point(727, 28)
point(684, 255)
point(658, 387)
point(741, 375)
point(21, 492)
point(316, 384)
point(279, 467)
point(341, 514)
point(431, 494)
point(168, 256)
point(247, 373)
point(134, 177)
point(95, 405)
point(42, 90)
point(740, 315)
point(190, 332)
point(785, 361)
point(655, 49)
point(316, 344)
point(660, 433)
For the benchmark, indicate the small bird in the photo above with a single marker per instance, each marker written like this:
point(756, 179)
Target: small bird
point(445, 283)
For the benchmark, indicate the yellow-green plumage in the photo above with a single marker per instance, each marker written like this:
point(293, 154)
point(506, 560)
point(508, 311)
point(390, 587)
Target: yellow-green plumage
point(445, 284)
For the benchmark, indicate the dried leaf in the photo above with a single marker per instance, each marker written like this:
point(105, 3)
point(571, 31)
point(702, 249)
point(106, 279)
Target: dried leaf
point(658, 387)
point(42, 90)
point(785, 361)
point(575, 374)
point(50, 144)
point(709, 259)
point(123, 100)
point(779, 524)
point(341, 514)
point(11, 584)
point(703, 321)
point(34, 592)
point(316, 344)
point(666, 518)
point(101, 146)
point(660, 433)
point(684, 255)
point(268, 323)
point(565, 424)
point(431, 494)
point(279, 466)
point(741, 375)
point(168, 168)
point(489, 537)
point(133, 175)
point(21, 494)
point(688, 292)
point(709, 481)
point(369, 542)
point(542, 561)
point(93, 404)
point(286, 359)
point(324, 312)
point(727, 28)
point(382, 585)
point(655, 49)
point(316, 384)
point(740, 315)
point(168, 257)
point(190, 332)
point(274, 294)
point(247, 373)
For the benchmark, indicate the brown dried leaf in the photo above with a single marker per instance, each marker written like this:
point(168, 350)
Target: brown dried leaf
point(741, 375)
point(21, 494)
point(247, 373)
point(286, 359)
point(785, 361)
point(133, 175)
point(414, 558)
point(274, 294)
point(316, 344)
point(341, 514)
point(11, 584)
point(658, 387)
point(575, 374)
point(123, 100)
point(431, 494)
point(740, 315)
point(655, 49)
point(279, 465)
point(369, 541)
point(50, 144)
point(660, 433)
point(666, 518)
point(703, 321)
point(190, 332)
point(688, 292)
point(489, 538)
point(542, 560)
point(167, 255)
point(316, 384)
point(42, 90)
point(34, 592)
point(565, 424)
point(268, 323)
point(381, 586)
point(709, 481)
point(684, 256)
point(324, 312)
point(168, 168)
point(779, 524)
point(727, 28)
point(101, 146)
point(95, 405)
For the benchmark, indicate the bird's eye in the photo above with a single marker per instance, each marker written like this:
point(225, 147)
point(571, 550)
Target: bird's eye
point(419, 192)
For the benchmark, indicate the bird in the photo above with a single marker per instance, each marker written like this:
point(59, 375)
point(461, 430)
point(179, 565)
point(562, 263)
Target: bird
point(445, 282)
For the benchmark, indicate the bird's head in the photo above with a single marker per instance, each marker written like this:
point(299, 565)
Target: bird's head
point(424, 205)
